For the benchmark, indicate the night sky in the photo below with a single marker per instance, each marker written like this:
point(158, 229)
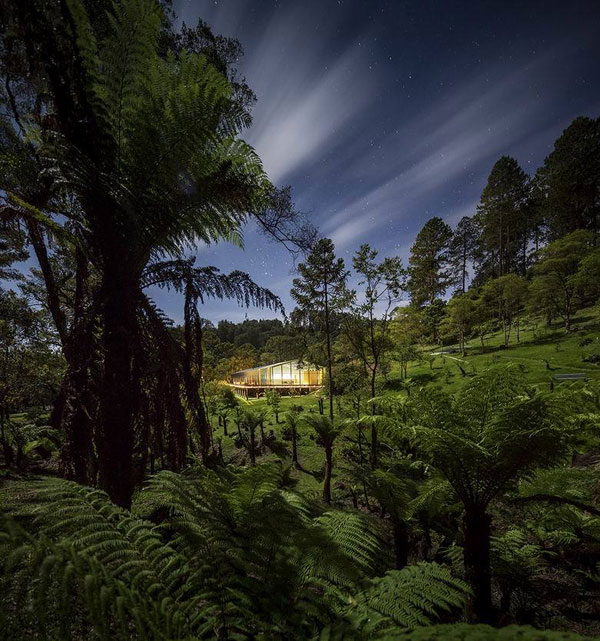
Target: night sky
point(383, 114)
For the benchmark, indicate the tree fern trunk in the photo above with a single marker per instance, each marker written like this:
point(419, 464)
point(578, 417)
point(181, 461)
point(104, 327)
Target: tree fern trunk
point(294, 447)
point(116, 438)
point(77, 459)
point(476, 525)
point(400, 544)
point(253, 446)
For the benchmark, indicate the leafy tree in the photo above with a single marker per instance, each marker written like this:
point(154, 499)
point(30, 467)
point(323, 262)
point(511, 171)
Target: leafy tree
point(569, 181)
point(145, 183)
point(12, 249)
point(409, 325)
point(483, 440)
point(326, 434)
point(502, 218)
point(273, 399)
point(587, 278)
point(30, 369)
point(283, 347)
point(407, 331)
point(404, 353)
point(460, 318)
point(462, 251)
point(428, 262)
point(432, 317)
point(352, 381)
point(320, 292)
point(505, 300)
point(555, 275)
point(368, 327)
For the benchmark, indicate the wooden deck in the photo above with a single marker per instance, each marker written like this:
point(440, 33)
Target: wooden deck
point(254, 391)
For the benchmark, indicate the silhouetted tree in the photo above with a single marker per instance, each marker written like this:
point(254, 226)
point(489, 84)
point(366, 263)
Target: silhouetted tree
point(429, 276)
point(461, 251)
point(502, 219)
point(568, 184)
point(320, 292)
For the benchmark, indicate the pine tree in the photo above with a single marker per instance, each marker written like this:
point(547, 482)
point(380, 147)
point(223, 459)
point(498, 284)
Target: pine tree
point(569, 181)
point(461, 251)
point(321, 292)
point(428, 263)
point(502, 216)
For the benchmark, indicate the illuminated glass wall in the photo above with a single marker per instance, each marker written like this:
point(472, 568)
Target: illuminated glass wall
point(289, 373)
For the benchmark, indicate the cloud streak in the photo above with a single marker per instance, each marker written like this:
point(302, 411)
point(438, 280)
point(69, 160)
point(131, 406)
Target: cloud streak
point(464, 132)
point(305, 101)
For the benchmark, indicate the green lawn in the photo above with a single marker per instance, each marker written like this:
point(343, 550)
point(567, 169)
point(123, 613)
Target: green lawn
point(541, 354)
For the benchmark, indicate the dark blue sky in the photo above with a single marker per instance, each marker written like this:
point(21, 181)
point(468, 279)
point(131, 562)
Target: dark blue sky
point(381, 114)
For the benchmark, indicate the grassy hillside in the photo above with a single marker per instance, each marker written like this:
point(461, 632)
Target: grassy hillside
point(541, 354)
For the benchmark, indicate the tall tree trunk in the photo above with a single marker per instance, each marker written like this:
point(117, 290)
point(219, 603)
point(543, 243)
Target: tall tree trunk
point(6, 448)
point(400, 544)
point(327, 479)
point(476, 524)
point(329, 359)
point(58, 407)
point(77, 457)
point(374, 435)
point(500, 248)
point(192, 372)
point(567, 312)
point(116, 437)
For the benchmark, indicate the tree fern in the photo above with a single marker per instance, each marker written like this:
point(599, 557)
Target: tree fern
point(232, 554)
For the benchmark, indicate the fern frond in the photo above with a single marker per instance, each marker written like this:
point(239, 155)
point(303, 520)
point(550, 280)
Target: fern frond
point(408, 598)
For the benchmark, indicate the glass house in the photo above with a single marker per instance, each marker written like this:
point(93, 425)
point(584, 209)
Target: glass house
point(292, 377)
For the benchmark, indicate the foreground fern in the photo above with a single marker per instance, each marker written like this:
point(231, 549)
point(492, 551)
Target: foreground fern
point(465, 632)
point(229, 555)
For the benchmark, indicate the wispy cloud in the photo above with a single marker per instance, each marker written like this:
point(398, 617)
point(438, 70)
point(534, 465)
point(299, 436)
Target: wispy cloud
point(305, 100)
point(306, 89)
point(462, 133)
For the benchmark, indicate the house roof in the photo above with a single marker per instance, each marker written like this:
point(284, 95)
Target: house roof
point(254, 369)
